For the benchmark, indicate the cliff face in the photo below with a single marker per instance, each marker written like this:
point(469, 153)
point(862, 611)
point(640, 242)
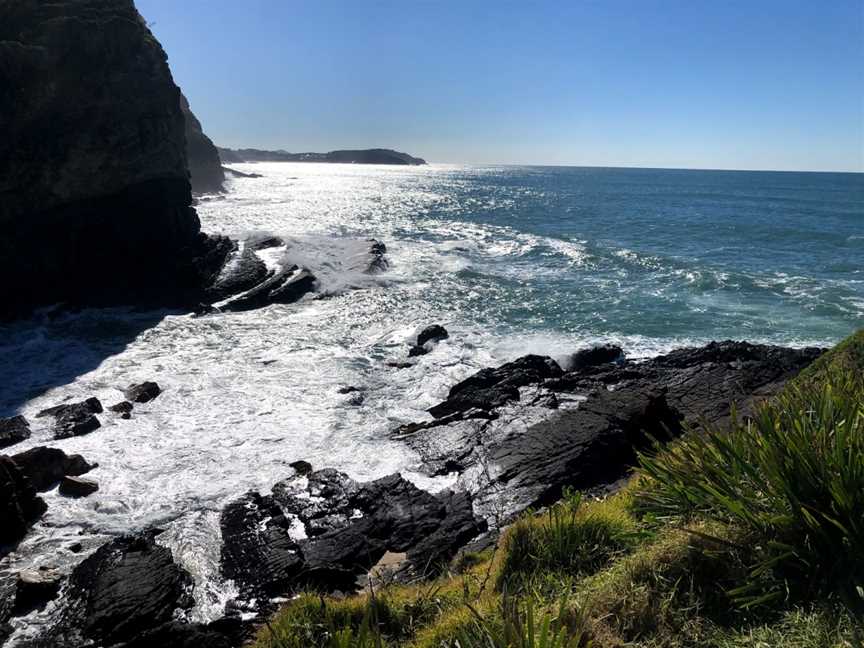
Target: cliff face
point(205, 167)
point(94, 192)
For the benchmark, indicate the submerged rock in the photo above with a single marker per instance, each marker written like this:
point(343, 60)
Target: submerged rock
point(13, 430)
point(434, 333)
point(123, 408)
point(142, 392)
point(77, 487)
point(20, 507)
point(44, 466)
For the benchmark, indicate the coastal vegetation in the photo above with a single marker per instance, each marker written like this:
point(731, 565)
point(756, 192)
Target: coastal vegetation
point(747, 536)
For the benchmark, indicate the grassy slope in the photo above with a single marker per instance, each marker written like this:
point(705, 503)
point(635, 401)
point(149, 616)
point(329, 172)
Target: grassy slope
point(603, 574)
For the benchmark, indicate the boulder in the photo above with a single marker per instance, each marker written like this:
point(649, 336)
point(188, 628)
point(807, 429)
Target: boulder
point(20, 507)
point(35, 587)
point(129, 586)
point(434, 333)
point(13, 430)
point(74, 419)
point(284, 287)
point(95, 197)
point(142, 392)
point(242, 271)
point(594, 356)
point(123, 408)
point(301, 467)
point(77, 487)
point(44, 466)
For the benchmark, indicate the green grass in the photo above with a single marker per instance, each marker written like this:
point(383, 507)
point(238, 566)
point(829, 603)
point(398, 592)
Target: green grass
point(745, 538)
point(791, 481)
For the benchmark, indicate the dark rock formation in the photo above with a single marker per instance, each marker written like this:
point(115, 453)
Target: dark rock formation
point(594, 356)
point(491, 388)
point(205, 167)
point(44, 467)
point(13, 430)
point(301, 467)
point(34, 588)
point(243, 271)
point(123, 408)
point(126, 588)
point(74, 419)
point(19, 505)
point(284, 287)
point(350, 526)
point(426, 339)
point(257, 552)
point(239, 174)
point(363, 156)
point(77, 487)
point(224, 633)
point(508, 433)
point(94, 192)
point(142, 392)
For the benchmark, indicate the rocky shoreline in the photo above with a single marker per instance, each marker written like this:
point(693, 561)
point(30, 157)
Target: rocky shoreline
point(515, 436)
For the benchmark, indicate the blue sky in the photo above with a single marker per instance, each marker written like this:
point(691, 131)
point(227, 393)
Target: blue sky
point(729, 84)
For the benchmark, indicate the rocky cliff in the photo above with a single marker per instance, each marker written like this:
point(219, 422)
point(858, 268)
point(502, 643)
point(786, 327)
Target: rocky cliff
point(205, 167)
point(94, 190)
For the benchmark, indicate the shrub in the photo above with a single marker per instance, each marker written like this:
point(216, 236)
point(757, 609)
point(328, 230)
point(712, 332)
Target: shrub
point(570, 538)
point(792, 479)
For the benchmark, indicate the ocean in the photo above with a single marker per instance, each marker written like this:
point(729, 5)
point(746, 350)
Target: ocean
point(512, 260)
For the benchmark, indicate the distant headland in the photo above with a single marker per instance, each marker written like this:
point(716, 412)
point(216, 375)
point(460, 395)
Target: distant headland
point(364, 156)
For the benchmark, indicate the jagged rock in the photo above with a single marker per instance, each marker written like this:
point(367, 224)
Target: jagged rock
point(123, 408)
point(350, 526)
point(531, 450)
point(44, 466)
point(242, 271)
point(263, 241)
point(20, 507)
point(434, 333)
point(95, 197)
point(257, 552)
point(205, 167)
point(35, 587)
point(284, 287)
point(13, 430)
point(301, 467)
point(595, 356)
point(74, 419)
point(142, 392)
point(129, 586)
point(77, 487)
point(491, 388)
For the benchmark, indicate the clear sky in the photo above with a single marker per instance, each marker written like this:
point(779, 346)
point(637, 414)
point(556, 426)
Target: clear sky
point(749, 84)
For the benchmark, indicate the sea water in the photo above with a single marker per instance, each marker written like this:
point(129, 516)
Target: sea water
point(512, 260)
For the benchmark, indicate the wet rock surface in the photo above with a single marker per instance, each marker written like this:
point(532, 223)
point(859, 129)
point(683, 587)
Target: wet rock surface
point(123, 408)
point(13, 430)
point(128, 587)
point(77, 487)
point(142, 392)
point(349, 525)
point(519, 433)
point(34, 588)
point(45, 467)
point(20, 507)
point(74, 419)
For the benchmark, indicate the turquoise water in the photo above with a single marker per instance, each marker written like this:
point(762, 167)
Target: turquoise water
point(663, 253)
